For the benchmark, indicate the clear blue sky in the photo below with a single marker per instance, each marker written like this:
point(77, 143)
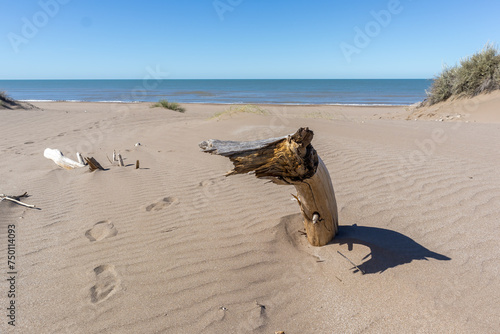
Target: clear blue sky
point(245, 39)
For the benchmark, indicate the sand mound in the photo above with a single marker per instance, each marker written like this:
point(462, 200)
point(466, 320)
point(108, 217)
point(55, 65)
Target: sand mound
point(481, 108)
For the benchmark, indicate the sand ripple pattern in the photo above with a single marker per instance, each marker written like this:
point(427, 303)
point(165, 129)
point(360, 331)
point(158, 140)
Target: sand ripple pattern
point(179, 248)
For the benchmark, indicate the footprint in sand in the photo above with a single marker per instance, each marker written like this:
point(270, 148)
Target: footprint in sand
point(162, 204)
point(107, 283)
point(101, 230)
point(257, 318)
point(206, 183)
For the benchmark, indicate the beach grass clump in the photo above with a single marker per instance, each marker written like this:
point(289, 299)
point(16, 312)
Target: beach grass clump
point(237, 109)
point(442, 86)
point(169, 105)
point(5, 100)
point(476, 74)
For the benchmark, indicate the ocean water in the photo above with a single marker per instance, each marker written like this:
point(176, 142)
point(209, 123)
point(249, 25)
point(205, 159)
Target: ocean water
point(311, 91)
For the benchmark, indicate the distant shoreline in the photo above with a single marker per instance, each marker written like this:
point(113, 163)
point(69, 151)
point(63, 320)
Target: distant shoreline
point(482, 108)
point(230, 103)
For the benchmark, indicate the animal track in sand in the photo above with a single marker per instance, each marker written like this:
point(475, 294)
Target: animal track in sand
point(162, 204)
point(107, 283)
point(101, 230)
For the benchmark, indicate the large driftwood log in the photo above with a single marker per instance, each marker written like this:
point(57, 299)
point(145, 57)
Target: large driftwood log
point(288, 160)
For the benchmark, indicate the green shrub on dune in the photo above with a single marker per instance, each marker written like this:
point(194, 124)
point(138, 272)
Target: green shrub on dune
point(169, 105)
point(6, 101)
point(3, 98)
point(442, 86)
point(479, 73)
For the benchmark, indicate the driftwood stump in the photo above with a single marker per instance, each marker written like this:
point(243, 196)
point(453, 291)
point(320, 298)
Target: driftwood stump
point(288, 160)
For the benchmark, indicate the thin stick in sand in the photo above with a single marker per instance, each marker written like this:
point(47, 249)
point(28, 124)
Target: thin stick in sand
point(362, 272)
point(13, 199)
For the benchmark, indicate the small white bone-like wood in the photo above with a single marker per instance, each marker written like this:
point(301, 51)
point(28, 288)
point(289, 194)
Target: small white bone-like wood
point(60, 160)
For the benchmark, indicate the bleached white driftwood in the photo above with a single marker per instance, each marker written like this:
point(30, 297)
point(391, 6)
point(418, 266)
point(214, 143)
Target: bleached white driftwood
point(15, 199)
point(288, 160)
point(60, 160)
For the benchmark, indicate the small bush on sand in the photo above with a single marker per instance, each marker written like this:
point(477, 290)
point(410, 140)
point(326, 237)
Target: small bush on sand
point(5, 100)
point(169, 105)
point(442, 86)
point(479, 73)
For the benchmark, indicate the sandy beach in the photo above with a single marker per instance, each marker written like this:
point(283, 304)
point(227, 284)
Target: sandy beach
point(177, 247)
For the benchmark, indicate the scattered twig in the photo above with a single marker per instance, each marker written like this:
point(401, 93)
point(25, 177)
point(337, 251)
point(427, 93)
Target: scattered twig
point(362, 272)
point(16, 200)
point(17, 197)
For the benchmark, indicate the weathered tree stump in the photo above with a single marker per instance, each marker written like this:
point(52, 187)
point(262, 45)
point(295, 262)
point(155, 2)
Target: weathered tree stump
point(288, 160)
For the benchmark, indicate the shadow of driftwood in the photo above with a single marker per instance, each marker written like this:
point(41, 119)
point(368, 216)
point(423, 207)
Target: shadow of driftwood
point(388, 248)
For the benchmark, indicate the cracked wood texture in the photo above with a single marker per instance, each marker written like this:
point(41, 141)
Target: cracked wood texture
point(288, 160)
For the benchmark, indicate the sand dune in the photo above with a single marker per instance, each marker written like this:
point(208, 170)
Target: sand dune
point(481, 108)
point(176, 247)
